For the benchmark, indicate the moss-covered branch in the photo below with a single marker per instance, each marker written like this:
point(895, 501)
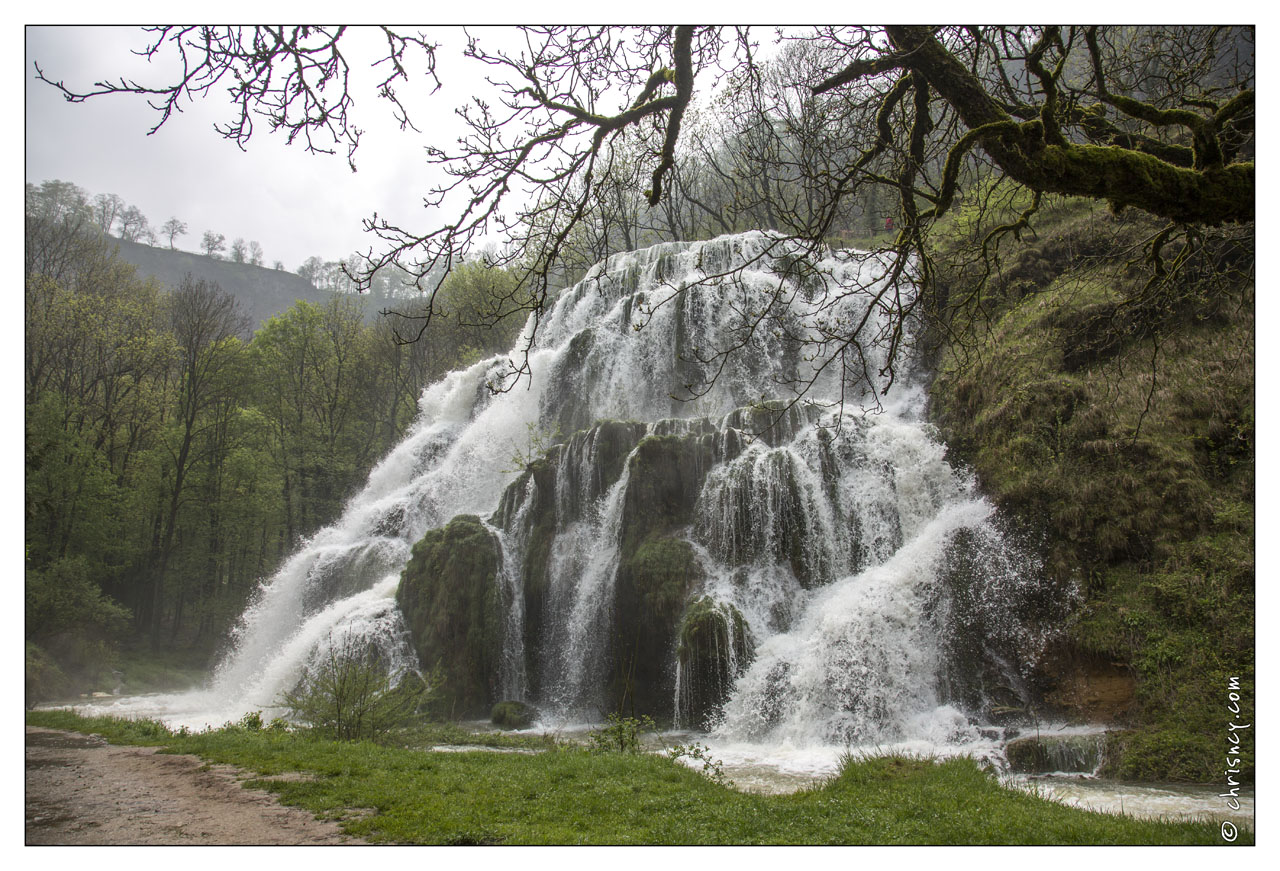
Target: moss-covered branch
point(1208, 193)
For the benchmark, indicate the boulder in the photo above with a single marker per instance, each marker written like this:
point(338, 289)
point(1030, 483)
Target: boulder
point(715, 646)
point(452, 604)
point(512, 715)
point(1044, 754)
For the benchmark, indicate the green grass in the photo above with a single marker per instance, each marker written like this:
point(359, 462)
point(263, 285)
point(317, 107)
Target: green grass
point(569, 795)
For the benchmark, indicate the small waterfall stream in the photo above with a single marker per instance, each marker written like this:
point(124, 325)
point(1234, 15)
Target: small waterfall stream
point(857, 589)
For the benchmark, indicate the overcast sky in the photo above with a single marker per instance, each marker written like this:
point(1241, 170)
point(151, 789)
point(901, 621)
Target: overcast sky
point(295, 204)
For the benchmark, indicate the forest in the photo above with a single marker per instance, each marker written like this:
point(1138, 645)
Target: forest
point(174, 455)
point(1049, 231)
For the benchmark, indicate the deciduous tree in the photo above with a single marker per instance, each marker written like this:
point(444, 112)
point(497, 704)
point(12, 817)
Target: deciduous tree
point(213, 243)
point(106, 209)
point(133, 224)
point(173, 228)
point(1155, 119)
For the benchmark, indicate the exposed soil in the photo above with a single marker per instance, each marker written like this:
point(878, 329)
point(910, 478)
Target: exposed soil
point(82, 790)
point(1089, 687)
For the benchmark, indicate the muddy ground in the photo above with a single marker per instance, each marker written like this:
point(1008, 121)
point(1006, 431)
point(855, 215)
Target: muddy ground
point(81, 790)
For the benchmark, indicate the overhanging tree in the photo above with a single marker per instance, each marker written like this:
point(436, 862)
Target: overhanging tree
point(1153, 119)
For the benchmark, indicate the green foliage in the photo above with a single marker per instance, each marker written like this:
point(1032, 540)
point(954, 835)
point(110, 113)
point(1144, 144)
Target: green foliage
point(450, 602)
point(620, 734)
point(538, 440)
point(75, 626)
point(512, 715)
point(43, 678)
point(712, 768)
point(62, 600)
point(349, 695)
point(1117, 422)
point(575, 796)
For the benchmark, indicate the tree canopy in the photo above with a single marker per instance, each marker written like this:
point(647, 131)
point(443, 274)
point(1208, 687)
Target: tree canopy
point(698, 127)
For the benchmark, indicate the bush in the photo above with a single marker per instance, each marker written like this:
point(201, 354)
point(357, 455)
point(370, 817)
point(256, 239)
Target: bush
point(621, 735)
point(512, 715)
point(44, 680)
point(74, 624)
point(349, 694)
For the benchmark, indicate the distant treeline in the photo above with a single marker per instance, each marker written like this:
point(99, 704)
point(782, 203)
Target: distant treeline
point(64, 201)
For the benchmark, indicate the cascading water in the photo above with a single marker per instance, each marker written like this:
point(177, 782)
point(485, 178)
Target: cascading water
point(791, 575)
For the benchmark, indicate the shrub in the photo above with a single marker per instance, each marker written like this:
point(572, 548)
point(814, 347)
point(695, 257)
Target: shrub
point(349, 694)
point(621, 735)
point(44, 680)
point(512, 715)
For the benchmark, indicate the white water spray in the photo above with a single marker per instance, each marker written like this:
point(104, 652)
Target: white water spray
point(833, 535)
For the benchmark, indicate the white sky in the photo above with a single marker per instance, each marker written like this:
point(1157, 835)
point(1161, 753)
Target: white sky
point(294, 203)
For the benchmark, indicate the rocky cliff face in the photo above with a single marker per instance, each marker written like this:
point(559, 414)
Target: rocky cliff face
point(611, 575)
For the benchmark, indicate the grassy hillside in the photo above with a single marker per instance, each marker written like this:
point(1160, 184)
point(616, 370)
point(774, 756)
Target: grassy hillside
point(262, 292)
point(1115, 421)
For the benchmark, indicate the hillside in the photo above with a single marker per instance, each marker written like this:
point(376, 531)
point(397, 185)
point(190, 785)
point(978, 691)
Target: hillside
point(1114, 419)
point(262, 292)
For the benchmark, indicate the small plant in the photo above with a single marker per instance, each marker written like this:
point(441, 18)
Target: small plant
point(251, 722)
point(537, 442)
point(349, 695)
point(621, 735)
point(712, 768)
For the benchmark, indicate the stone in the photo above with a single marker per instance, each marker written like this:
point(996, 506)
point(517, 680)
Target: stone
point(451, 602)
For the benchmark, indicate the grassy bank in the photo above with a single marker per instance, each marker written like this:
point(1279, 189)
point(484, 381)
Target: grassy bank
point(1114, 420)
point(570, 795)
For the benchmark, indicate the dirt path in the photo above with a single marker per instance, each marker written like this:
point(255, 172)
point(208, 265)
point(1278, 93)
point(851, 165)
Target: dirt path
point(81, 790)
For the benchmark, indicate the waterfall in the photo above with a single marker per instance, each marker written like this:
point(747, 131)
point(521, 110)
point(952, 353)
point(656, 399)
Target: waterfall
point(698, 542)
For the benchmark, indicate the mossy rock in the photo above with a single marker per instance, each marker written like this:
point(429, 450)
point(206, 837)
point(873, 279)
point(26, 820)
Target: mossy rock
point(512, 715)
point(1045, 754)
point(590, 462)
point(715, 647)
point(451, 602)
point(775, 421)
point(550, 493)
point(654, 582)
point(666, 475)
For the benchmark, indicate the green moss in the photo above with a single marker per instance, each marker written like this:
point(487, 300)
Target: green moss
point(715, 647)
point(666, 475)
point(512, 715)
point(655, 580)
point(1139, 482)
point(451, 602)
point(1173, 752)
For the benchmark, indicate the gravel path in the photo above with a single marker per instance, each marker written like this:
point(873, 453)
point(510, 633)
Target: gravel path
point(81, 790)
